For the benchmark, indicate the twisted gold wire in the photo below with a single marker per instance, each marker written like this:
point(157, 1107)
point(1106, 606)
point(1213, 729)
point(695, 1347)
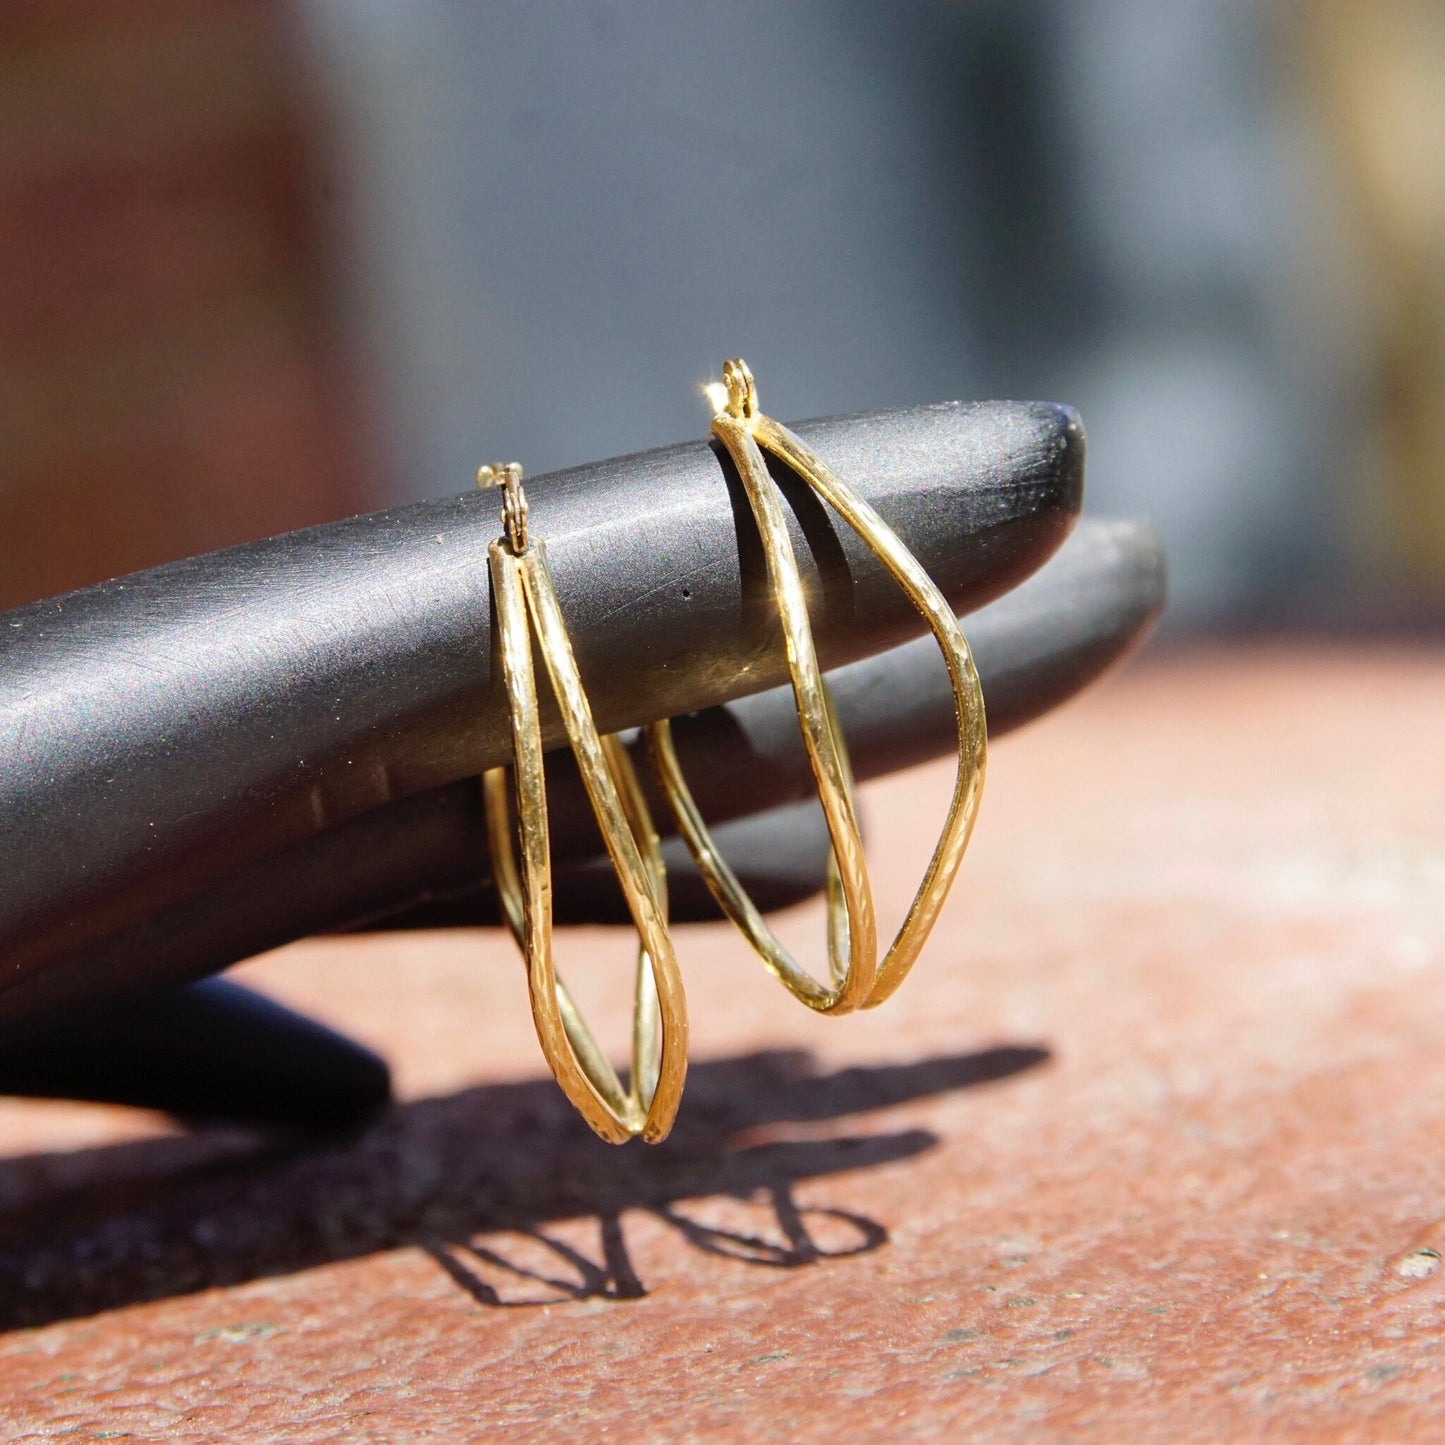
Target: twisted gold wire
point(525, 599)
point(859, 978)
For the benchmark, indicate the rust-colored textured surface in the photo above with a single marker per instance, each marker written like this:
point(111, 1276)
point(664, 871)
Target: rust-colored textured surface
point(1150, 1147)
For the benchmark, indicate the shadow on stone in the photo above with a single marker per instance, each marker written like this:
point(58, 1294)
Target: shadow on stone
point(101, 1228)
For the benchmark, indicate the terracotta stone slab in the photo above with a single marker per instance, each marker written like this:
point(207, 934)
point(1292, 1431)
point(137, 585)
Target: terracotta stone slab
point(1150, 1147)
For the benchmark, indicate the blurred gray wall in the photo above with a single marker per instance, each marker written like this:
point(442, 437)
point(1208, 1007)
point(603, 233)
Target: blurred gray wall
point(558, 218)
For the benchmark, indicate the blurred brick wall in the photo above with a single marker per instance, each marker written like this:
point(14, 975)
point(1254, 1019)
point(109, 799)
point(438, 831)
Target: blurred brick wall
point(169, 378)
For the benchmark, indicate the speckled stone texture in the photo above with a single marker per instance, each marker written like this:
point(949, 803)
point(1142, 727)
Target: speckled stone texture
point(1150, 1147)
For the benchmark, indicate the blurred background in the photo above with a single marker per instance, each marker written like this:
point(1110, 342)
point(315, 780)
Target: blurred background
point(264, 264)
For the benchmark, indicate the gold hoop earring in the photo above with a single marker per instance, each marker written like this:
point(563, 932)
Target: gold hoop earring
point(859, 979)
point(526, 601)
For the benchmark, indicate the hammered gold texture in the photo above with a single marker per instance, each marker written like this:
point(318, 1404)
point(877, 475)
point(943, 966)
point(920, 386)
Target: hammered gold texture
point(1150, 1149)
point(859, 978)
point(526, 603)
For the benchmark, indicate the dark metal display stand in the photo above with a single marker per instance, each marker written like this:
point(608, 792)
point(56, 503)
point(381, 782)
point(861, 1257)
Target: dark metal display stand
point(211, 758)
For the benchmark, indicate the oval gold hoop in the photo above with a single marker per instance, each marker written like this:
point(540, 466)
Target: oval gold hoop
point(859, 978)
point(525, 599)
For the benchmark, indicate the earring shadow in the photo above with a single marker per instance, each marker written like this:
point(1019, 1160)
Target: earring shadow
point(103, 1228)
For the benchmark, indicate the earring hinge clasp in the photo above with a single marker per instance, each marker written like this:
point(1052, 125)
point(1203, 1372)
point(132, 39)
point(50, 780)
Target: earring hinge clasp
point(508, 476)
